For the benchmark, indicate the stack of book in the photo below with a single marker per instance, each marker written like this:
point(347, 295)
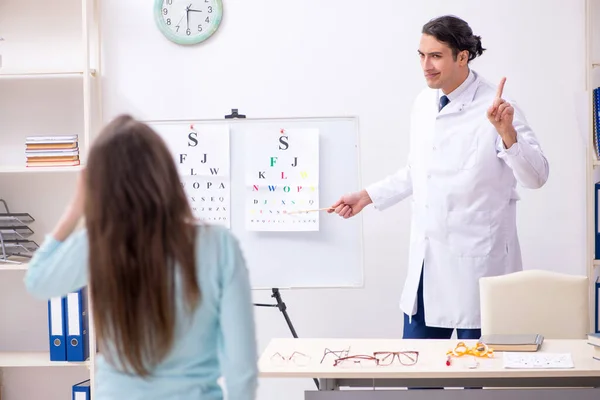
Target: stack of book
point(52, 151)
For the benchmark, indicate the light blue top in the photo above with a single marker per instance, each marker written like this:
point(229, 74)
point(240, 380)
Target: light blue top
point(218, 341)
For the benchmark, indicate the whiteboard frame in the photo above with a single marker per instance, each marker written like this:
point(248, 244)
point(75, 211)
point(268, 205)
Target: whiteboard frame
point(244, 121)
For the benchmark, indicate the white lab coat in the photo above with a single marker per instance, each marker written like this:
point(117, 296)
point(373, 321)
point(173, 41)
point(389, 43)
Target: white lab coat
point(463, 186)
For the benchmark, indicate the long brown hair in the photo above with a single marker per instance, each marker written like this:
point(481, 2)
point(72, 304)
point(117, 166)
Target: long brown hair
point(140, 240)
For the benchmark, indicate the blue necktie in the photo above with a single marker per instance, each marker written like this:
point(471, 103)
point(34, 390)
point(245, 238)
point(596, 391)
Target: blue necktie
point(443, 101)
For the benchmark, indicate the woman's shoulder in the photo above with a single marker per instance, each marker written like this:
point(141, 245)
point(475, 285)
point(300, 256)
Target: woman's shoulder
point(214, 232)
point(218, 238)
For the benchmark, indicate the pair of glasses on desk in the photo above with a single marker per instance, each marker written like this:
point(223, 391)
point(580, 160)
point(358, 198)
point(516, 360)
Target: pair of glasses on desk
point(379, 358)
point(296, 358)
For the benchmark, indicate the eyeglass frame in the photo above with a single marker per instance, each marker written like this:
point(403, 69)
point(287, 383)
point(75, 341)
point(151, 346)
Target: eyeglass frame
point(286, 359)
point(394, 354)
point(327, 351)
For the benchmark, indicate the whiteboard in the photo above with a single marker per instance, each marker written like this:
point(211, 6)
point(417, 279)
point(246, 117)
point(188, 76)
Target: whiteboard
point(329, 257)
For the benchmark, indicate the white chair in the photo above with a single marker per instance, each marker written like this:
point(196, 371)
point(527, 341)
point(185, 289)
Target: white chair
point(549, 303)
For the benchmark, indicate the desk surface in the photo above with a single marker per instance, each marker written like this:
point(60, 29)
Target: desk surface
point(431, 363)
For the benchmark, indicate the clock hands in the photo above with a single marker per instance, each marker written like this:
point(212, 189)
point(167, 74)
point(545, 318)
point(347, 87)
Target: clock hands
point(191, 9)
point(187, 16)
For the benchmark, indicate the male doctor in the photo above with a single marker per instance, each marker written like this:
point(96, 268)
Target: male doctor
point(469, 147)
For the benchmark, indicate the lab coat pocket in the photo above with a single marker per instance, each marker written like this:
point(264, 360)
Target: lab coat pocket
point(461, 150)
point(469, 233)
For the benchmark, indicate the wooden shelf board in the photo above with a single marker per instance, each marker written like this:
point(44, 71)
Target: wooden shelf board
point(4, 266)
point(6, 73)
point(34, 359)
point(23, 169)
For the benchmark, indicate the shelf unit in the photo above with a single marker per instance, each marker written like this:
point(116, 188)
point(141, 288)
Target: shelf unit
point(49, 85)
point(33, 74)
point(592, 70)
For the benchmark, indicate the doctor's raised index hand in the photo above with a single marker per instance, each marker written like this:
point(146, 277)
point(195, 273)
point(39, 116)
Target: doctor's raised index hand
point(351, 204)
point(501, 114)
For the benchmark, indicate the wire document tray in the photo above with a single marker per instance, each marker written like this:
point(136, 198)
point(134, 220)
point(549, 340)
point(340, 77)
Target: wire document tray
point(14, 231)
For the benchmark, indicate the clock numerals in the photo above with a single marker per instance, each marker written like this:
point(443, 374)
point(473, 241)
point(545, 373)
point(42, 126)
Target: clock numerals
point(189, 21)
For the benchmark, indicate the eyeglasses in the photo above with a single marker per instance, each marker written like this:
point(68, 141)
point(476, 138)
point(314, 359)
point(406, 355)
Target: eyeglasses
point(336, 353)
point(379, 358)
point(479, 350)
point(404, 357)
point(299, 359)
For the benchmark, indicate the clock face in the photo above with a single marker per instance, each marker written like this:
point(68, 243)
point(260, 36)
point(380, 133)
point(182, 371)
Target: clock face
point(188, 21)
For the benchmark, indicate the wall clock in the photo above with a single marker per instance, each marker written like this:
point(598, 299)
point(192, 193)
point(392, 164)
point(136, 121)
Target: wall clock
point(188, 22)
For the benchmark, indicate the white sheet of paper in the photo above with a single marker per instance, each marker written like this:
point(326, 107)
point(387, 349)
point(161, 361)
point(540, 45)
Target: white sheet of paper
point(201, 153)
point(521, 360)
point(282, 175)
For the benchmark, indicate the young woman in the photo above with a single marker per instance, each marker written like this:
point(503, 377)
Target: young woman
point(171, 297)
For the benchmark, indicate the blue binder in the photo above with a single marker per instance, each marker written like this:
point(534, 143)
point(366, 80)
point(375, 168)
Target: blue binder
point(77, 326)
point(596, 217)
point(81, 391)
point(596, 121)
point(57, 329)
point(597, 305)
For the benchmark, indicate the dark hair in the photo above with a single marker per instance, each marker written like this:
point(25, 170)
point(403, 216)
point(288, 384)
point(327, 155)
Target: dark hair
point(456, 33)
point(141, 244)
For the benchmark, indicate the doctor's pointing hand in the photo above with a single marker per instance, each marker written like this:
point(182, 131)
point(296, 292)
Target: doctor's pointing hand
point(469, 148)
point(500, 114)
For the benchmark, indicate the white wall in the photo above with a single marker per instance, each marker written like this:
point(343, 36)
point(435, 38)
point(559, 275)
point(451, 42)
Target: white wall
point(340, 57)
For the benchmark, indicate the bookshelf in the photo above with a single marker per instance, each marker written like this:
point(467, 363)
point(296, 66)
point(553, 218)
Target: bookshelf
point(49, 85)
point(592, 69)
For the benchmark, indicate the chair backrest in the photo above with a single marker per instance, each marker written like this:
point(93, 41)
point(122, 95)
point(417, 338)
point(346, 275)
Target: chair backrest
point(549, 303)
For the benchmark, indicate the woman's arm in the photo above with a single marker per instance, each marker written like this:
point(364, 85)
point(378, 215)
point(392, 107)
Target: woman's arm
point(59, 266)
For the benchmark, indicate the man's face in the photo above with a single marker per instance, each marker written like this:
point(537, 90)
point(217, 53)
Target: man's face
point(440, 69)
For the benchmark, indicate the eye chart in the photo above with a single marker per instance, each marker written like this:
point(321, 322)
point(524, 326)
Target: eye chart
point(201, 154)
point(282, 179)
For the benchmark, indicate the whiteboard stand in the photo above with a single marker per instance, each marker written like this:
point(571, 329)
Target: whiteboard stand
point(283, 308)
point(275, 291)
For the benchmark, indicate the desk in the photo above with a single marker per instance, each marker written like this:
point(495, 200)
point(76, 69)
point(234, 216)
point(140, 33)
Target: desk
point(431, 371)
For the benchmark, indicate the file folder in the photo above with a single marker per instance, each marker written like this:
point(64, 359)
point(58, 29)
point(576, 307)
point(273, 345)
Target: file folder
point(597, 220)
point(81, 391)
point(77, 326)
point(597, 305)
point(57, 329)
